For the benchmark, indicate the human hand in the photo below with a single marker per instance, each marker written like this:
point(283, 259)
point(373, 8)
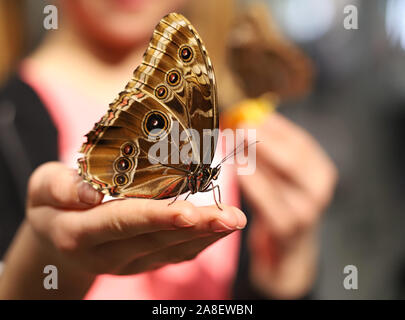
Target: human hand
point(120, 236)
point(293, 183)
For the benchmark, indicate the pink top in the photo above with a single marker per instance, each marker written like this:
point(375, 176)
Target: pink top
point(210, 275)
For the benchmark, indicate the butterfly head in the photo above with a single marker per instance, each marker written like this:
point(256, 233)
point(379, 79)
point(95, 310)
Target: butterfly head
point(215, 173)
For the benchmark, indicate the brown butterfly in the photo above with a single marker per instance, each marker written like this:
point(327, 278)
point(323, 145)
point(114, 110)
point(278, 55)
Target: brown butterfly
point(174, 84)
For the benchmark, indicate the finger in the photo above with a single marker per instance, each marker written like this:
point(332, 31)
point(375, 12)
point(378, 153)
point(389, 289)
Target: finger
point(124, 251)
point(53, 184)
point(284, 207)
point(296, 155)
point(262, 191)
point(294, 199)
point(175, 254)
point(304, 209)
point(114, 220)
point(125, 219)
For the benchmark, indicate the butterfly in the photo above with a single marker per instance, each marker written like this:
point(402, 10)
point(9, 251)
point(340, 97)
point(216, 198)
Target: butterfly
point(173, 88)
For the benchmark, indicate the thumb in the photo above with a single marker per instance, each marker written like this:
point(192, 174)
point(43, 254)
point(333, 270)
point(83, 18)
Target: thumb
point(53, 184)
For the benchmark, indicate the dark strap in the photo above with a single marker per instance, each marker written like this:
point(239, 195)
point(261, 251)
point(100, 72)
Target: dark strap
point(28, 138)
point(12, 148)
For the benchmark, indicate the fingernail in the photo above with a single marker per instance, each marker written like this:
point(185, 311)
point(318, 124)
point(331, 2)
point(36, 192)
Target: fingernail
point(87, 194)
point(219, 226)
point(241, 218)
point(182, 222)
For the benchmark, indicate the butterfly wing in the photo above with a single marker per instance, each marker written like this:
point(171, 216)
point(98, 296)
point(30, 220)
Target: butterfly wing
point(176, 46)
point(173, 88)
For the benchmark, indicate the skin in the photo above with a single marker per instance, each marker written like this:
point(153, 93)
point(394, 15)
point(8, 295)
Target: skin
point(293, 183)
point(66, 224)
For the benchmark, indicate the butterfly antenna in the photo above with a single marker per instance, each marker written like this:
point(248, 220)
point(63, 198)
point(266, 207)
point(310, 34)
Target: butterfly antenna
point(236, 151)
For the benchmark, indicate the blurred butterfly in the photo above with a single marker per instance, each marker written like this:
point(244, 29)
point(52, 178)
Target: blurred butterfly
point(174, 87)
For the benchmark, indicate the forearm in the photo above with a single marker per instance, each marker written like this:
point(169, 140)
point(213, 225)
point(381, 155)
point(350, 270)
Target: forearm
point(23, 275)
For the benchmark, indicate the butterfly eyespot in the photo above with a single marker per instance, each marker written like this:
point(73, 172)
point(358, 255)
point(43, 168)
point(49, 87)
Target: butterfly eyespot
point(186, 53)
point(120, 179)
point(128, 149)
point(155, 123)
point(155, 100)
point(161, 92)
point(123, 164)
point(173, 78)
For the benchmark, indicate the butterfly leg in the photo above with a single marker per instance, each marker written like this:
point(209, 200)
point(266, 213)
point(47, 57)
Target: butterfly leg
point(219, 194)
point(187, 195)
point(179, 193)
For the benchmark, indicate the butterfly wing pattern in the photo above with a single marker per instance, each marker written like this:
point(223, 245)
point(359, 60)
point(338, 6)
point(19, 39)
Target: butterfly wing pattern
point(173, 86)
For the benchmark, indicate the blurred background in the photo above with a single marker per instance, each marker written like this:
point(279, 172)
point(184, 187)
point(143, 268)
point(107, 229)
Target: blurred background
point(355, 109)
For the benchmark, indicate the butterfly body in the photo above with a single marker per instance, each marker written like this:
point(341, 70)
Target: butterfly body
point(200, 180)
point(172, 91)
